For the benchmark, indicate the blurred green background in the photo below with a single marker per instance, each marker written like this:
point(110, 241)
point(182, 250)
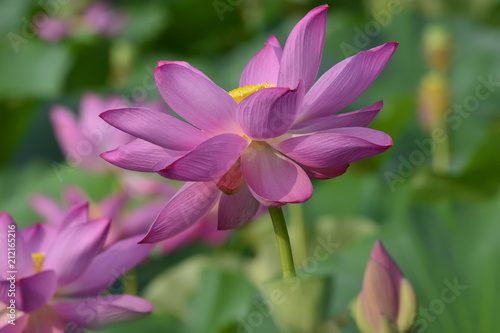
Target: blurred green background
point(436, 212)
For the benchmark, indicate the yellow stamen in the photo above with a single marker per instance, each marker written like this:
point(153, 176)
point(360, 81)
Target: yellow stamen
point(38, 259)
point(241, 93)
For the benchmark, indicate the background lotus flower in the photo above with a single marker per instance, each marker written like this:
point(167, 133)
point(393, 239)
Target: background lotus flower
point(82, 139)
point(102, 18)
point(127, 222)
point(61, 270)
point(54, 29)
point(257, 144)
point(387, 301)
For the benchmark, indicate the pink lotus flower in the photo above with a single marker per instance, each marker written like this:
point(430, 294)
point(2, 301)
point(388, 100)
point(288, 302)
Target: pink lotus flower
point(387, 301)
point(257, 144)
point(60, 274)
point(101, 18)
point(53, 30)
point(83, 139)
point(126, 223)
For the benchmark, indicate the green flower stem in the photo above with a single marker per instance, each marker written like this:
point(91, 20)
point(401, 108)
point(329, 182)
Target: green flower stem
point(283, 241)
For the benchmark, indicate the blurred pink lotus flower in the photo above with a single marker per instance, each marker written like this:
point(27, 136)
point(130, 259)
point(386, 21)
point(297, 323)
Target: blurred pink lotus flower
point(82, 139)
point(101, 17)
point(257, 144)
point(125, 222)
point(387, 301)
point(54, 29)
point(61, 274)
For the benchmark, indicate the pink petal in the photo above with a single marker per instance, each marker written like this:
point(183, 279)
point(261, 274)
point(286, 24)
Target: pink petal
point(74, 248)
point(156, 127)
point(360, 118)
point(275, 44)
point(273, 176)
point(325, 173)
point(92, 105)
point(182, 239)
point(237, 209)
point(77, 214)
point(209, 161)
point(232, 180)
point(138, 221)
point(183, 64)
point(73, 195)
point(107, 267)
point(263, 67)
point(39, 237)
point(334, 148)
point(345, 82)
point(303, 50)
point(97, 312)
point(269, 113)
point(47, 208)
point(140, 155)
point(66, 129)
point(31, 293)
point(112, 205)
point(13, 246)
point(190, 204)
point(197, 99)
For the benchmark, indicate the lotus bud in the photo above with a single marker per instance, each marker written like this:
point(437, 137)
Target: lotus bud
point(386, 303)
point(437, 45)
point(434, 100)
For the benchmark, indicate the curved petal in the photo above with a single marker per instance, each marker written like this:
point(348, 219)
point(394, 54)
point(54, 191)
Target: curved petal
point(183, 64)
point(269, 113)
point(31, 293)
point(74, 248)
point(263, 67)
point(108, 266)
point(209, 161)
point(325, 173)
point(334, 148)
point(66, 129)
point(237, 209)
point(73, 195)
point(190, 204)
point(359, 118)
point(38, 237)
point(76, 215)
point(345, 82)
point(12, 244)
point(140, 155)
point(273, 176)
point(303, 49)
point(156, 127)
point(47, 208)
point(113, 204)
point(96, 313)
point(197, 99)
